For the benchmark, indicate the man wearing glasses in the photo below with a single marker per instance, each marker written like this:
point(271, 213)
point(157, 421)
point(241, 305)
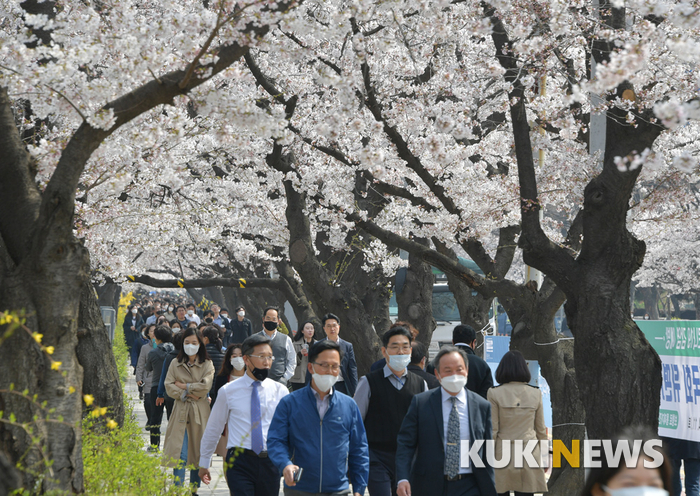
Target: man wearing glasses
point(383, 397)
point(347, 379)
point(322, 431)
point(248, 405)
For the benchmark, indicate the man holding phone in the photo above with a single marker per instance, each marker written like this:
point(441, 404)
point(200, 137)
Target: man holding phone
point(323, 430)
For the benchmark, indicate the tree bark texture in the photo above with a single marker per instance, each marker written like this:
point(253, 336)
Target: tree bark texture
point(415, 298)
point(94, 352)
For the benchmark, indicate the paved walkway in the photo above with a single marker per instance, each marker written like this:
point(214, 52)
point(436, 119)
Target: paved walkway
point(218, 486)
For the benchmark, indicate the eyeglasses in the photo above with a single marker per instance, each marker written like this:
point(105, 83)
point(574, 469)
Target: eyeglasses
point(328, 366)
point(264, 358)
point(331, 326)
point(396, 348)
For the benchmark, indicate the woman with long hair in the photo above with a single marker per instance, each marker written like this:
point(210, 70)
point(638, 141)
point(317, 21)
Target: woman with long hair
point(232, 368)
point(188, 381)
point(517, 414)
point(303, 341)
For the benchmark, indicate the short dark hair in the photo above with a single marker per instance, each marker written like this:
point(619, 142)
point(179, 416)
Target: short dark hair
point(177, 341)
point(329, 316)
point(163, 334)
point(208, 312)
point(202, 355)
point(267, 309)
point(417, 352)
point(179, 307)
point(605, 472)
point(446, 350)
point(321, 346)
point(173, 322)
point(513, 368)
point(241, 308)
point(396, 331)
point(463, 334)
point(145, 329)
point(192, 305)
point(223, 309)
point(252, 341)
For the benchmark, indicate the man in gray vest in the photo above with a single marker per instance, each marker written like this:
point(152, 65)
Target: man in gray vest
point(282, 348)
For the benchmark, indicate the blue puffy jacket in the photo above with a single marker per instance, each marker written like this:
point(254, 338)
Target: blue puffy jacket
point(329, 451)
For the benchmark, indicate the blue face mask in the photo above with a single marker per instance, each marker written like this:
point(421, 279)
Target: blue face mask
point(636, 491)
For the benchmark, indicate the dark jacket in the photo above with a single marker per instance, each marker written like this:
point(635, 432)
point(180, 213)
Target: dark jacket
point(430, 379)
point(479, 378)
point(348, 367)
point(239, 331)
point(167, 360)
point(219, 382)
point(216, 356)
point(330, 450)
point(155, 359)
point(420, 456)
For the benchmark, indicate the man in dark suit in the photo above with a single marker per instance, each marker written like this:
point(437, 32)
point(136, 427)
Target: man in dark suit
point(428, 454)
point(480, 377)
point(417, 366)
point(347, 381)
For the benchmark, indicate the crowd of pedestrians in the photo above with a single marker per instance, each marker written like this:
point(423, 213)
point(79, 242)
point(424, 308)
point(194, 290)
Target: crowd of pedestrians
point(286, 407)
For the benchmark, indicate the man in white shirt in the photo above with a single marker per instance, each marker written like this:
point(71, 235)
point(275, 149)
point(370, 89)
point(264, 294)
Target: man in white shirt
point(192, 314)
point(248, 405)
point(285, 363)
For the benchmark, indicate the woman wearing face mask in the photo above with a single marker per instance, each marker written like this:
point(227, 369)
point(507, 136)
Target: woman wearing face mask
point(143, 376)
point(175, 326)
point(132, 324)
point(188, 381)
point(232, 368)
point(517, 413)
point(303, 340)
point(618, 480)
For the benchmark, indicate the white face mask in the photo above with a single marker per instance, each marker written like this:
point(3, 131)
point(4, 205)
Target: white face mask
point(190, 312)
point(324, 382)
point(170, 309)
point(636, 491)
point(176, 330)
point(399, 362)
point(191, 349)
point(241, 313)
point(224, 315)
point(454, 383)
point(237, 363)
point(134, 310)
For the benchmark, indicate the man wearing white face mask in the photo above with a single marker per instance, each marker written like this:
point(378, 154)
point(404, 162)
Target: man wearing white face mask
point(428, 459)
point(322, 430)
point(192, 314)
point(383, 397)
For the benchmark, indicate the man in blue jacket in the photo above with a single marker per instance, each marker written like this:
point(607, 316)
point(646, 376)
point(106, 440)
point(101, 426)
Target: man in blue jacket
point(322, 430)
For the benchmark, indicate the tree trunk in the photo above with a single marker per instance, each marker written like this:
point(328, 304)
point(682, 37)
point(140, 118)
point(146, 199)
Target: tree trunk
point(650, 296)
point(95, 355)
point(415, 299)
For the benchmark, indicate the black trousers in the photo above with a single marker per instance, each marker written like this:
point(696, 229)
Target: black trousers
point(462, 487)
point(340, 386)
point(156, 417)
point(249, 475)
point(517, 493)
point(382, 473)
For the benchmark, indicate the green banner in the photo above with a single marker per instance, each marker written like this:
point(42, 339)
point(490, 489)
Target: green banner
point(672, 337)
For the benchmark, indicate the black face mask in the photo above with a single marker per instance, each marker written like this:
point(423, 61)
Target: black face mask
point(270, 325)
point(208, 320)
point(260, 374)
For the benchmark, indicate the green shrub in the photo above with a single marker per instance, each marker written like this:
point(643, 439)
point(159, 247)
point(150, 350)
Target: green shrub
point(115, 462)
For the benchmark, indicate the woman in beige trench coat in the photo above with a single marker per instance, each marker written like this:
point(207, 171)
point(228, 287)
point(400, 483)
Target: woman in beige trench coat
point(516, 413)
point(188, 381)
